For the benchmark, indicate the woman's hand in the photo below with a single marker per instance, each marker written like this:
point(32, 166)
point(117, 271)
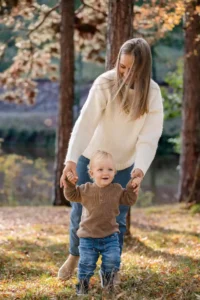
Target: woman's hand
point(70, 167)
point(137, 176)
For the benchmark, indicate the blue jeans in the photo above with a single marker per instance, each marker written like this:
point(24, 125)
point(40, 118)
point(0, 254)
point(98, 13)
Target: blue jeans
point(91, 248)
point(122, 177)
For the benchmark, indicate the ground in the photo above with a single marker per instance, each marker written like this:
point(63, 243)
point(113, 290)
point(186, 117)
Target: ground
point(161, 259)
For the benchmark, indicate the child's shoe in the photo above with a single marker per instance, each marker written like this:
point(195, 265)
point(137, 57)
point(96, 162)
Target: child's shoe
point(117, 278)
point(107, 280)
point(82, 288)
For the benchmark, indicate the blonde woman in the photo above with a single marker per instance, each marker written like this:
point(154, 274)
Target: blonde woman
point(123, 115)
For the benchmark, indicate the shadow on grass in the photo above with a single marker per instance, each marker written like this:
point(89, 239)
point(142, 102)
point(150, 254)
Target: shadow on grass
point(155, 285)
point(162, 229)
point(143, 249)
point(29, 261)
point(22, 258)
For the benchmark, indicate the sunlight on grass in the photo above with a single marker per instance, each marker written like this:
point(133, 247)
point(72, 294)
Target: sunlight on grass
point(161, 260)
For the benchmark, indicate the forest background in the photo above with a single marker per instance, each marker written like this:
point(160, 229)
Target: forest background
point(43, 85)
point(29, 117)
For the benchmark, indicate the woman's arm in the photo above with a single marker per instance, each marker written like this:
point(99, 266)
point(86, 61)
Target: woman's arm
point(85, 126)
point(88, 120)
point(150, 133)
point(69, 167)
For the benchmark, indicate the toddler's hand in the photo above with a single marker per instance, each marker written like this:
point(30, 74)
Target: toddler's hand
point(70, 176)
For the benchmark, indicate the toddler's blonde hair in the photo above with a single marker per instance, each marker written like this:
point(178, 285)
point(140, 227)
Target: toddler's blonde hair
point(99, 155)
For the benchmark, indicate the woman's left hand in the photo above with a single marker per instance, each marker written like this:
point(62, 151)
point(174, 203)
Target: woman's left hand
point(137, 176)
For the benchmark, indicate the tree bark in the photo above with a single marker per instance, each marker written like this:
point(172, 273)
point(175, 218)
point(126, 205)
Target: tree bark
point(189, 185)
point(120, 28)
point(66, 100)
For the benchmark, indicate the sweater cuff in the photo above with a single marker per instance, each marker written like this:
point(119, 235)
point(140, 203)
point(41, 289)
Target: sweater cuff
point(70, 158)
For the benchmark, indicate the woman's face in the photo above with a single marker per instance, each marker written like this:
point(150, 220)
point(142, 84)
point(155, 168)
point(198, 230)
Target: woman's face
point(125, 64)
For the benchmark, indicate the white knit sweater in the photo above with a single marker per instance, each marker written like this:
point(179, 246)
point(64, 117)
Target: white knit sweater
point(103, 126)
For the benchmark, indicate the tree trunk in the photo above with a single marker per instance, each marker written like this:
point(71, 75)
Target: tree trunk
point(120, 28)
point(189, 185)
point(65, 114)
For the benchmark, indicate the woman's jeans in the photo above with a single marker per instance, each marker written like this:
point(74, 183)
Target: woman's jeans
point(122, 177)
point(91, 248)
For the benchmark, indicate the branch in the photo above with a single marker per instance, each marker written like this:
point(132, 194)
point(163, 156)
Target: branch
point(32, 60)
point(95, 9)
point(6, 42)
point(45, 17)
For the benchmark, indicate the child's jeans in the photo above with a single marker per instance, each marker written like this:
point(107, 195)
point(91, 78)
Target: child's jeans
point(122, 177)
point(91, 248)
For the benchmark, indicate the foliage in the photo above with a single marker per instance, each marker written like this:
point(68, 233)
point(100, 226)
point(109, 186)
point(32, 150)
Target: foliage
point(19, 185)
point(176, 144)
point(173, 95)
point(36, 34)
point(160, 260)
point(153, 19)
point(145, 199)
point(195, 209)
point(174, 92)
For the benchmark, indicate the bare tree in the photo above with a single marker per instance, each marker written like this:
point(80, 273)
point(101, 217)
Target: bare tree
point(189, 185)
point(120, 29)
point(65, 114)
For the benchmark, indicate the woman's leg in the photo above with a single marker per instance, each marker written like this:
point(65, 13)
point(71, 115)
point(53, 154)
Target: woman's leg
point(122, 177)
point(67, 269)
point(76, 210)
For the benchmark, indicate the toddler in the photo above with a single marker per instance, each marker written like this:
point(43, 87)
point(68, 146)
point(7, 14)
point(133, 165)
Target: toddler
point(98, 230)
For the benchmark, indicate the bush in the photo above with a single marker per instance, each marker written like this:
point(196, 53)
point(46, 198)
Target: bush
point(25, 181)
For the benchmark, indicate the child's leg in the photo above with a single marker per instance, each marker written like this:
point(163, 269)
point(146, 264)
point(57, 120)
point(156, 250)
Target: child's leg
point(110, 260)
point(88, 259)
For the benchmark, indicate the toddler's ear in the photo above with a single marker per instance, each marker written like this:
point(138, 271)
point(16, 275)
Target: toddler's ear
point(90, 173)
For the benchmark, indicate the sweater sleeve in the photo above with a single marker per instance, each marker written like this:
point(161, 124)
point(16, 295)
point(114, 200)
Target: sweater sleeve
point(128, 196)
point(88, 121)
point(150, 133)
point(72, 192)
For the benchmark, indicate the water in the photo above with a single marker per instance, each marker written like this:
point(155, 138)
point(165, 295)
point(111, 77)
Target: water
point(27, 178)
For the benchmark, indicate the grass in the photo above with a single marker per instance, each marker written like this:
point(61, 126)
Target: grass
point(161, 260)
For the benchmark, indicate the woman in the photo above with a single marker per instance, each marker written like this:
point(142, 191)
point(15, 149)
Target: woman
point(123, 115)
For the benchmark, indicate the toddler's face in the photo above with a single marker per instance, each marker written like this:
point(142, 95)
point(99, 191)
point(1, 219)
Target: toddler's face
point(103, 171)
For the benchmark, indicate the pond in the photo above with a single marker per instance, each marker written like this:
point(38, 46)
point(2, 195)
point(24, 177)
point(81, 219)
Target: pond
point(27, 178)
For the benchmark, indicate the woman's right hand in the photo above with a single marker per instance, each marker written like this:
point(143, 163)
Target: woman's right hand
point(69, 167)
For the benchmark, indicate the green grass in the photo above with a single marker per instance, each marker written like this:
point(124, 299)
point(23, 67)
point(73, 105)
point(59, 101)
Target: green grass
point(161, 260)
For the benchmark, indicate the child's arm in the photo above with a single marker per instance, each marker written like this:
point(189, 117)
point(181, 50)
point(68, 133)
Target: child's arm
point(128, 196)
point(71, 192)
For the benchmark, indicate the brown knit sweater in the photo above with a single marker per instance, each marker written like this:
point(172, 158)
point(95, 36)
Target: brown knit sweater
point(100, 206)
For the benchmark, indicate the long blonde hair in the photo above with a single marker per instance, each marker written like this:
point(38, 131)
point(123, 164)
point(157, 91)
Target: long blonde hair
point(139, 78)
